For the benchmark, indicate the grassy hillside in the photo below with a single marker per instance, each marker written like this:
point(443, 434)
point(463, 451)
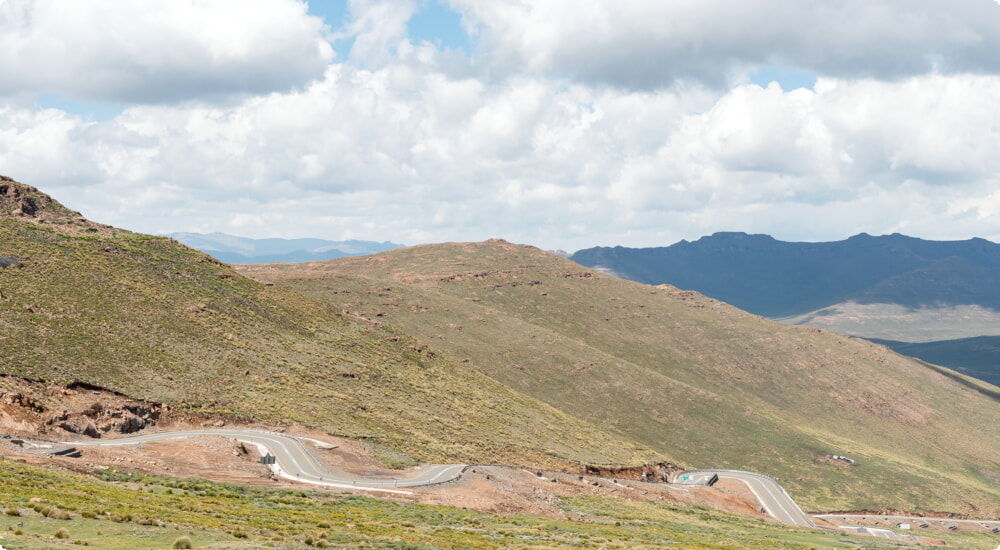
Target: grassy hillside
point(153, 319)
point(891, 287)
point(118, 510)
point(688, 376)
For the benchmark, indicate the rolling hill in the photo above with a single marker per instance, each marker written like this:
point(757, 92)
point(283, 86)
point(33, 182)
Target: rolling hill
point(685, 375)
point(490, 352)
point(895, 289)
point(153, 319)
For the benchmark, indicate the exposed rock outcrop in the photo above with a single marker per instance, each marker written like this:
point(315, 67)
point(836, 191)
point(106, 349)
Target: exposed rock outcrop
point(655, 473)
point(26, 203)
point(33, 408)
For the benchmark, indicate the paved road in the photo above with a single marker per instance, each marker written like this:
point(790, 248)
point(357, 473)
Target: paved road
point(771, 496)
point(296, 462)
point(915, 520)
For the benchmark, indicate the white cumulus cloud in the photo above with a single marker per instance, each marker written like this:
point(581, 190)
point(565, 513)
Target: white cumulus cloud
point(643, 44)
point(412, 156)
point(158, 50)
point(572, 125)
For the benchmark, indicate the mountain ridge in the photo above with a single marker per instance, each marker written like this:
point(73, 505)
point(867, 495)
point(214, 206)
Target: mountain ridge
point(22, 202)
point(673, 369)
point(898, 290)
point(150, 318)
point(234, 249)
point(778, 279)
point(497, 352)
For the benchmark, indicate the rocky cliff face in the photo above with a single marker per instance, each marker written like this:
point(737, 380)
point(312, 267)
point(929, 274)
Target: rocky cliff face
point(33, 408)
point(25, 203)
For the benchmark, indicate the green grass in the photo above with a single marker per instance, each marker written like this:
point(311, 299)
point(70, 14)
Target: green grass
point(499, 353)
point(704, 384)
point(153, 319)
point(133, 511)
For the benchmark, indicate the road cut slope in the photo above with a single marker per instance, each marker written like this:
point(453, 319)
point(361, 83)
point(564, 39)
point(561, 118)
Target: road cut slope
point(294, 460)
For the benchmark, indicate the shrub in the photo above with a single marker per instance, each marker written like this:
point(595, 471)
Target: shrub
point(62, 533)
point(12, 512)
point(182, 542)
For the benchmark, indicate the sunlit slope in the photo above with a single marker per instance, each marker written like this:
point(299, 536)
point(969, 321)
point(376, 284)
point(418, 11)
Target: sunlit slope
point(151, 318)
point(689, 376)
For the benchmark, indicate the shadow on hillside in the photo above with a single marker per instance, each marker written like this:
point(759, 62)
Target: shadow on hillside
point(962, 380)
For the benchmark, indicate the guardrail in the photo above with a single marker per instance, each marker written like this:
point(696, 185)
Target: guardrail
point(57, 448)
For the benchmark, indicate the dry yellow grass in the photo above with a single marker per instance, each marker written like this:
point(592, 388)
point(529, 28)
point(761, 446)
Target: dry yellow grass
point(692, 378)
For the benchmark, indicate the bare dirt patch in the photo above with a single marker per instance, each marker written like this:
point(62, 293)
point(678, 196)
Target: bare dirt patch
point(511, 491)
point(72, 413)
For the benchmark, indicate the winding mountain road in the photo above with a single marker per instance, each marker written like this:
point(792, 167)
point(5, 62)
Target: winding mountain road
point(294, 460)
point(771, 496)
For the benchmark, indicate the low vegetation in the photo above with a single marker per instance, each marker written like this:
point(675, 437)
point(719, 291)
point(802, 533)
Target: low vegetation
point(121, 511)
point(150, 318)
point(690, 377)
point(478, 353)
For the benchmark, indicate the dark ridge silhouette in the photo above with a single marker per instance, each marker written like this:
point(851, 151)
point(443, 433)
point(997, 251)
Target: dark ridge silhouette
point(777, 279)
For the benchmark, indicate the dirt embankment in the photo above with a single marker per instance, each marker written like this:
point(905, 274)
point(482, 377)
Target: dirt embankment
point(65, 413)
point(658, 473)
point(52, 411)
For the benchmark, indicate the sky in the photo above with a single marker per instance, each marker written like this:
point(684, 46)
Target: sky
point(556, 123)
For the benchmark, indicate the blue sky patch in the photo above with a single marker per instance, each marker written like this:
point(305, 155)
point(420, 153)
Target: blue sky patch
point(334, 12)
point(789, 79)
point(438, 24)
point(90, 110)
point(434, 22)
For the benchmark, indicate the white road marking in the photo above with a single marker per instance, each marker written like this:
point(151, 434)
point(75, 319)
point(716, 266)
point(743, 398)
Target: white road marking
point(285, 448)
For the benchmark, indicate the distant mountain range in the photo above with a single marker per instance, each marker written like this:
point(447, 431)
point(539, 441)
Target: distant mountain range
point(241, 250)
point(780, 279)
point(899, 289)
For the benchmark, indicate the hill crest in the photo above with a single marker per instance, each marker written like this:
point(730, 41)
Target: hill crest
point(22, 202)
point(687, 375)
